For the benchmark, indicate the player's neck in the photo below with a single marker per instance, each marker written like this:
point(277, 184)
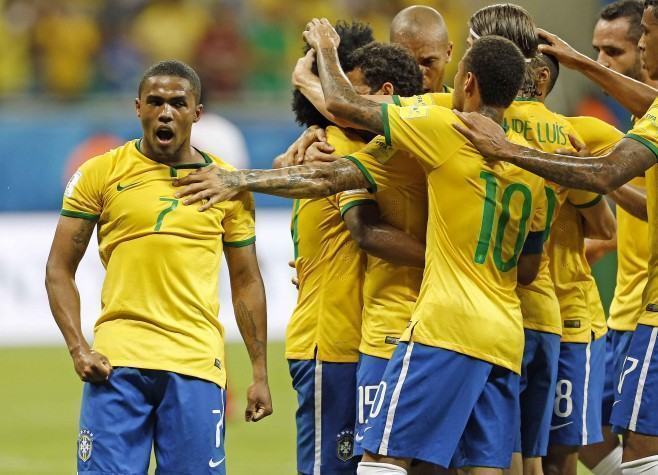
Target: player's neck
point(494, 113)
point(186, 154)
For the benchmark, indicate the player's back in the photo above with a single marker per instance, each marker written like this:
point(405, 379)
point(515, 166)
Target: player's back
point(330, 267)
point(479, 218)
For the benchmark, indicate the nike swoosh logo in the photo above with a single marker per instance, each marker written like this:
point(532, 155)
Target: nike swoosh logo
point(359, 437)
point(132, 185)
point(616, 402)
point(561, 426)
point(213, 464)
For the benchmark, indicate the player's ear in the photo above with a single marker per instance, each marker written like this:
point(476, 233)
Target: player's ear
point(387, 89)
point(449, 51)
point(198, 112)
point(470, 84)
point(542, 76)
point(138, 107)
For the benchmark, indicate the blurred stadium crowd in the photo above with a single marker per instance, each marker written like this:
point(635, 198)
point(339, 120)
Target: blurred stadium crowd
point(69, 49)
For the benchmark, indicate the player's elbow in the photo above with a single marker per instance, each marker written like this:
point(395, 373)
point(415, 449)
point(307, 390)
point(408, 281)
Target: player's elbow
point(338, 107)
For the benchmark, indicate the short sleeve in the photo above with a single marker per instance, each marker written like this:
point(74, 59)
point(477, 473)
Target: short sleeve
point(372, 160)
point(239, 222)
point(427, 132)
point(349, 199)
point(83, 196)
point(583, 199)
point(645, 130)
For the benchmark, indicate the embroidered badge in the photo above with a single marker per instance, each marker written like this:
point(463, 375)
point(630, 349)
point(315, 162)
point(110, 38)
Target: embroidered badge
point(345, 445)
point(85, 444)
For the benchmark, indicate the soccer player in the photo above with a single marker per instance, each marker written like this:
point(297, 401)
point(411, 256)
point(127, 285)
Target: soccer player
point(633, 155)
point(615, 39)
point(156, 374)
point(447, 158)
point(323, 335)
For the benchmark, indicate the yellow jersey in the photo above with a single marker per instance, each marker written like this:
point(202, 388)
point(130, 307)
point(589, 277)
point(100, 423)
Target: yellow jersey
point(480, 215)
point(326, 322)
point(159, 301)
point(645, 131)
point(390, 291)
point(632, 233)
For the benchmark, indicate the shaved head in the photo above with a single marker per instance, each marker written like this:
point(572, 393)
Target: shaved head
point(418, 20)
point(423, 32)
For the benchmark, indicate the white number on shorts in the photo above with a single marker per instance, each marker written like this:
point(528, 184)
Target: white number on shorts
point(630, 369)
point(218, 429)
point(563, 391)
point(378, 402)
point(367, 397)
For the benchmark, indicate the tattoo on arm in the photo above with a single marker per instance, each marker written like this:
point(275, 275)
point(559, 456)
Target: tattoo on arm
point(341, 98)
point(306, 181)
point(80, 239)
point(602, 175)
point(244, 317)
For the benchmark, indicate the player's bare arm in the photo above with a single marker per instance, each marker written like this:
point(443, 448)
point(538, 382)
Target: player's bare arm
point(602, 175)
point(633, 95)
point(632, 199)
point(598, 221)
point(380, 239)
point(528, 268)
point(307, 181)
point(341, 99)
point(248, 295)
point(69, 245)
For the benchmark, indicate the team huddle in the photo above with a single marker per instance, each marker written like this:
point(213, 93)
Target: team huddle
point(447, 317)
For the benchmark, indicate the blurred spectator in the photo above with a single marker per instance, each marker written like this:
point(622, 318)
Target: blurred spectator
point(217, 135)
point(222, 55)
point(16, 24)
point(170, 29)
point(67, 38)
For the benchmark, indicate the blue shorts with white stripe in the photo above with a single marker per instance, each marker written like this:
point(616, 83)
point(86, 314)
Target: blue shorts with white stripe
point(325, 416)
point(444, 408)
point(578, 394)
point(636, 394)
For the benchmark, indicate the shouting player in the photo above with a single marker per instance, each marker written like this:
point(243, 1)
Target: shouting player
point(156, 375)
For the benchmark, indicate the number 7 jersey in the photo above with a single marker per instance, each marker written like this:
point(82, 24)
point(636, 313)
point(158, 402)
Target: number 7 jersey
point(159, 302)
point(480, 216)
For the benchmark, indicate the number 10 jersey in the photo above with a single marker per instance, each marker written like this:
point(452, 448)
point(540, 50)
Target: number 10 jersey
point(159, 302)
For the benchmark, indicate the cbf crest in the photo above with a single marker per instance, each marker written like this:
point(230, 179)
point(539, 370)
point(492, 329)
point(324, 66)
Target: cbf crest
point(85, 444)
point(345, 445)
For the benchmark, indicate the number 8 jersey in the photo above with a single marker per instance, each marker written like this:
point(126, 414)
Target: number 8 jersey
point(480, 216)
point(159, 302)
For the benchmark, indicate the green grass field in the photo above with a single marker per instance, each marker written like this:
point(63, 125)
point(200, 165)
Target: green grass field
point(40, 397)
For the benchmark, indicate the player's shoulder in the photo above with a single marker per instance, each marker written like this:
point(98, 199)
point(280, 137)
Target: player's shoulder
point(218, 162)
point(344, 141)
point(106, 162)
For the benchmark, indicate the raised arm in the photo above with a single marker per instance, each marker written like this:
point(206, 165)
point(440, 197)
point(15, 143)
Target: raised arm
point(248, 294)
point(380, 239)
point(602, 175)
point(69, 245)
point(341, 99)
point(633, 95)
point(307, 181)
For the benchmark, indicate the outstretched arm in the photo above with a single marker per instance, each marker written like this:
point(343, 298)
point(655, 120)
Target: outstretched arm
point(69, 245)
point(633, 95)
point(248, 295)
point(307, 181)
point(341, 99)
point(602, 175)
point(382, 240)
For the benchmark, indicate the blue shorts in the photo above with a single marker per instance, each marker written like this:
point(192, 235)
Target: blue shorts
point(181, 416)
point(578, 393)
point(325, 416)
point(368, 376)
point(637, 390)
point(439, 406)
point(537, 391)
point(617, 343)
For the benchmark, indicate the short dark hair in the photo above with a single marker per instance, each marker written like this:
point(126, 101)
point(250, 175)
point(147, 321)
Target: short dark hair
point(549, 61)
point(498, 66)
point(176, 68)
point(380, 63)
point(352, 36)
point(630, 9)
point(509, 21)
point(650, 4)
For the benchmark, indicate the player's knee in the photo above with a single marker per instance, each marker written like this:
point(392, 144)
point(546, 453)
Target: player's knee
point(377, 468)
point(643, 466)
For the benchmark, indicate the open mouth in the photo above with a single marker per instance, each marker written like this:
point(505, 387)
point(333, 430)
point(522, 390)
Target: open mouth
point(164, 135)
